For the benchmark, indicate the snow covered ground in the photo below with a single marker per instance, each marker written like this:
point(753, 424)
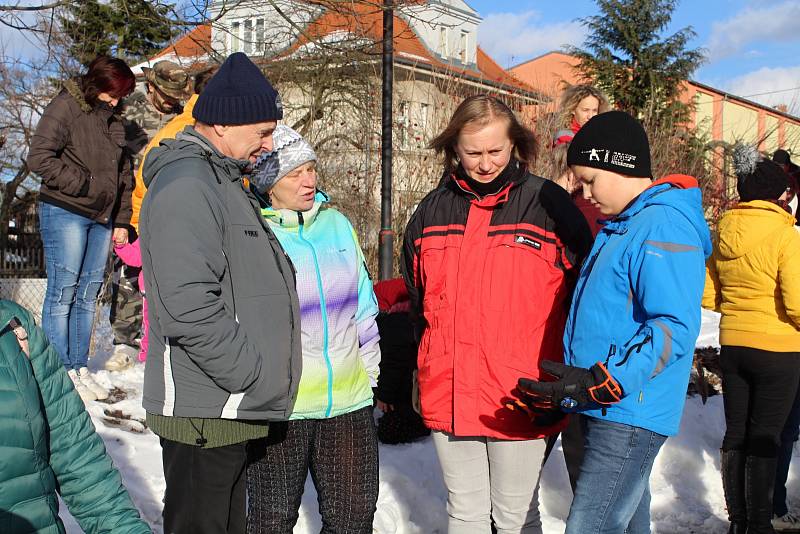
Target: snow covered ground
point(686, 484)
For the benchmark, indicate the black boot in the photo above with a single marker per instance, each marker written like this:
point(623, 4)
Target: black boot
point(759, 481)
point(733, 482)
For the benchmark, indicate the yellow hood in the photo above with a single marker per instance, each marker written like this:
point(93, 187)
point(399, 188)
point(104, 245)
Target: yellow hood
point(749, 225)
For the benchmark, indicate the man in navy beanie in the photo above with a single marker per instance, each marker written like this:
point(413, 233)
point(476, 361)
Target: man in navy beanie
point(224, 354)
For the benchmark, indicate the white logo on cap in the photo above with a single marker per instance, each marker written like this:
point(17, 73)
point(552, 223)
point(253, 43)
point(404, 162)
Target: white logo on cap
point(594, 154)
point(620, 159)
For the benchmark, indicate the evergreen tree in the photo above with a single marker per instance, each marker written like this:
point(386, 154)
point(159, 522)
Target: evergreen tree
point(130, 29)
point(627, 56)
point(87, 26)
point(142, 28)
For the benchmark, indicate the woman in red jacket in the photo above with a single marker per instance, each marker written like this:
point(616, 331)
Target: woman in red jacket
point(488, 259)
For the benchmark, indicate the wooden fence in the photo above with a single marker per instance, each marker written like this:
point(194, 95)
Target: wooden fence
point(22, 262)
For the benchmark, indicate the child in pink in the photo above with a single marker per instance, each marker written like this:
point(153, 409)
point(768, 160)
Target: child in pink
point(131, 255)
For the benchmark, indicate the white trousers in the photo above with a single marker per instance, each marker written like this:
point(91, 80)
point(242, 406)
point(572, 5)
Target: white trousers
point(491, 479)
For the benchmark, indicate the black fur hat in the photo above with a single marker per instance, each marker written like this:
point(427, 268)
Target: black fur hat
point(758, 178)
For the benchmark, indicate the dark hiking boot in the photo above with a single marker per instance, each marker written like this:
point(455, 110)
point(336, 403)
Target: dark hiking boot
point(733, 482)
point(759, 481)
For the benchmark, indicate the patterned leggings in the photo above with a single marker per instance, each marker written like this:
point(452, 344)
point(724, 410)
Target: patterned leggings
point(342, 455)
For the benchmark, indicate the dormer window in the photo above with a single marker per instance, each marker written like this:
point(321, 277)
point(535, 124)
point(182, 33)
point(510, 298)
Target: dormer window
point(443, 37)
point(464, 47)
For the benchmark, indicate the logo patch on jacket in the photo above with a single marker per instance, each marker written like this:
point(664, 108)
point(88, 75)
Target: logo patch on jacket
point(251, 233)
point(522, 240)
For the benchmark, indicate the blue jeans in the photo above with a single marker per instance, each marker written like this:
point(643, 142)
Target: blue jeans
point(75, 250)
point(613, 491)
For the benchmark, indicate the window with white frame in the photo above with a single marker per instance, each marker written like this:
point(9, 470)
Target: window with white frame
point(443, 36)
point(248, 36)
point(424, 112)
point(403, 120)
point(236, 42)
point(260, 45)
point(412, 121)
point(464, 44)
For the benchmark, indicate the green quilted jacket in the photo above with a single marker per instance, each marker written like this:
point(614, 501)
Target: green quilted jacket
point(48, 444)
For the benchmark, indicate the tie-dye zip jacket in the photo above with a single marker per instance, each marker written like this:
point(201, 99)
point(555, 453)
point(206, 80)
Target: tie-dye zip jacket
point(337, 310)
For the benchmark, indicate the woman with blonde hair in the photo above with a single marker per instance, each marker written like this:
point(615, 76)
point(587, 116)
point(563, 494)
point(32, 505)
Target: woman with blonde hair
point(578, 104)
point(487, 256)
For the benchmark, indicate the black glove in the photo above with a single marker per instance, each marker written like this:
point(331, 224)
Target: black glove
point(576, 387)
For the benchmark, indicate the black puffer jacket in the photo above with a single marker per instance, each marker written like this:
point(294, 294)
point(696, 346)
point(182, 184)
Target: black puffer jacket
point(80, 154)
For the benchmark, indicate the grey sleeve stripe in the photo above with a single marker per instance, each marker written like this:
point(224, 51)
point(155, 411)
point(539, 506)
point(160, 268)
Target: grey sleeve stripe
point(666, 352)
point(671, 247)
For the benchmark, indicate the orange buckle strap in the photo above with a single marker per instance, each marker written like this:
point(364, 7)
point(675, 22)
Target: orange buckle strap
point(607, 388)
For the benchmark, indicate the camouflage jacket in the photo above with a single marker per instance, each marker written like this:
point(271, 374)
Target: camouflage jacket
point(142, 121)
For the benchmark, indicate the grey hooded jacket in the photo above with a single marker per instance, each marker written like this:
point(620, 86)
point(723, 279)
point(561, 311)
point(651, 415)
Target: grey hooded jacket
point(223, 310)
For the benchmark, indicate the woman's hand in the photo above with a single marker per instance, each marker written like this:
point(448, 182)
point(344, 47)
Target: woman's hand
point(120, 236)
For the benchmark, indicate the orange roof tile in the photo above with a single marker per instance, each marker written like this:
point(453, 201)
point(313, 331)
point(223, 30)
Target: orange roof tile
point(367, 21)
point(495, 72)
point(195, 43)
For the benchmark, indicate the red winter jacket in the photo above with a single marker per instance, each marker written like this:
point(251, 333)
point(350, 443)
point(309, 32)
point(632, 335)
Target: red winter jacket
point(490, 279)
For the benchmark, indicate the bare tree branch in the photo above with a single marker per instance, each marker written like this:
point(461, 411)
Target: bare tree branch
point(42, 7)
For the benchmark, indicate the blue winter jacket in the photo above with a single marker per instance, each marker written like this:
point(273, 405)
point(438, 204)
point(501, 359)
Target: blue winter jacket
point(636, 305)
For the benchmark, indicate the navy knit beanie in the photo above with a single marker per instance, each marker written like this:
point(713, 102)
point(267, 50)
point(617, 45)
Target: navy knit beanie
point(613, 141)
point(239, 93)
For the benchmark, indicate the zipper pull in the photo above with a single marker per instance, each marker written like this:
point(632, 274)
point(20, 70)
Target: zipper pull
point(19, 331)
point(612, 350)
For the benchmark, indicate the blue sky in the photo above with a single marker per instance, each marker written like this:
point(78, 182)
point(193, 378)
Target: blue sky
point(753, 46)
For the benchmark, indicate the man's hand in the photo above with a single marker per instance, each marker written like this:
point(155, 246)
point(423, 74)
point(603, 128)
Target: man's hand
point(576, 387)
point(120, 236)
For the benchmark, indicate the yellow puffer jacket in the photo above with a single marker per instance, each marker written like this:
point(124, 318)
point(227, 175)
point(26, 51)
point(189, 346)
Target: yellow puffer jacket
point(753, 278)
point(169, 131)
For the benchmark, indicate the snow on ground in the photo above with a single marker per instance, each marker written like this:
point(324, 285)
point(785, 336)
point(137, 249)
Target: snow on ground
point(686, 484)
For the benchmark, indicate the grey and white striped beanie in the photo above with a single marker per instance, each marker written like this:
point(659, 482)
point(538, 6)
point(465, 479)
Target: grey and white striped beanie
point(290, 150)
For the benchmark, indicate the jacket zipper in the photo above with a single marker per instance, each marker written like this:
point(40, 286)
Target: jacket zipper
point(612, 350)
point(573, 312)
point(466, 191)
point(233, 290)
point(323, 310)
point(274, 241)
point(637, 346)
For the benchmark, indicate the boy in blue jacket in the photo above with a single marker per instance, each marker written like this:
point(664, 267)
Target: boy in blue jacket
point(632, 326)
